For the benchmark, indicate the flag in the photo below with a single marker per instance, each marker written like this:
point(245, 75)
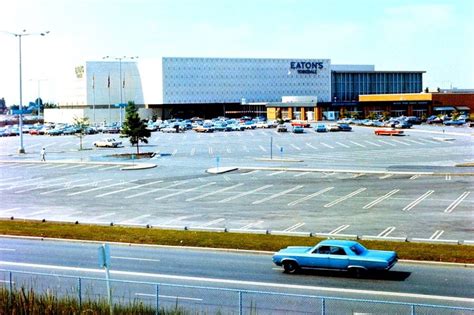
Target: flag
point(123, 84)
point(93, 81)
point(108, 81)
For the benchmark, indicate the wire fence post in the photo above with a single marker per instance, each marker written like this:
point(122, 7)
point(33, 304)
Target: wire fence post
point(157, 312)
point(413, 309)
point(79, 293)
point(241, 312)
point(10, 285)
point(323, 306)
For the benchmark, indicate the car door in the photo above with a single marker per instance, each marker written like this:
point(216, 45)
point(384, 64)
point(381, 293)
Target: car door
point(338, 258)
point(318, 258)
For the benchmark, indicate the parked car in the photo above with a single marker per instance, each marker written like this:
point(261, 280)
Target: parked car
point(321, 128)
point(456, 122)
point(281, 128)
point(388, 132)
point(334, 254)
point(301, 123)
point(298, 129)
point(107, 143)
point(203, 129)
point(434, 120)
point(402, 124)
point(333, 128)
point(344, 127)
point(54, 132)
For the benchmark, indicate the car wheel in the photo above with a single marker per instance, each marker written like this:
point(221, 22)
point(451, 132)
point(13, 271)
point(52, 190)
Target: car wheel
point(290, 266)
point(357, 272)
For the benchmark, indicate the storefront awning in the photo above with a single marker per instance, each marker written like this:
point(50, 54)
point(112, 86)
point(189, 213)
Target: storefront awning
point(462, 108)
point(443, 108)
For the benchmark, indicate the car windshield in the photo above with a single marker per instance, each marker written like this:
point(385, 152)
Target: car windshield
point(358, 249)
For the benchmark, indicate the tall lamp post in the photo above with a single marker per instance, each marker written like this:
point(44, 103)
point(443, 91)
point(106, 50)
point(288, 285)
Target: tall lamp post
point(21, 149)
point(121, 105)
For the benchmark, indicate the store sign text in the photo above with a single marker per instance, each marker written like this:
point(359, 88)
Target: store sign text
point(306, 67)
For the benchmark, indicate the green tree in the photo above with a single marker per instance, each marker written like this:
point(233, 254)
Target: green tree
point(134, 127)
point(80, 125)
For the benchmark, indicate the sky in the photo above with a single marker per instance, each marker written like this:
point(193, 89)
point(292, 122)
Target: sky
point(429, 35)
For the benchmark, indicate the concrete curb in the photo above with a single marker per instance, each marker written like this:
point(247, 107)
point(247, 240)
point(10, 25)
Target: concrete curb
point(230, 250)
point(278, 160)
point(138, 167)
point(221, 170)
point(126, 165)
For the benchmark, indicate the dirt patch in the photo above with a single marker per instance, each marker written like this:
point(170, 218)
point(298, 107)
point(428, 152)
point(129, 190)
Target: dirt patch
point(143, 155)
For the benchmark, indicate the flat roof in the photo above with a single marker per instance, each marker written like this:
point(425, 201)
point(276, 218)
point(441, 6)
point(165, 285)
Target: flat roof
point(377, 71)
point(396, 97)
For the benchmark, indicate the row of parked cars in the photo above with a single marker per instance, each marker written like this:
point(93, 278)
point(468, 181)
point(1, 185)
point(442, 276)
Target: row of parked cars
point(403, 122)
point(56, 129)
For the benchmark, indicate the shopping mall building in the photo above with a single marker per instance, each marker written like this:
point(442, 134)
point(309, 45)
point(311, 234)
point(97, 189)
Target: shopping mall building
point(311, 89)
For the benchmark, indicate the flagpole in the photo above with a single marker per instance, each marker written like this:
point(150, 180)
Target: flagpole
point(93, 103)
point(108, 87)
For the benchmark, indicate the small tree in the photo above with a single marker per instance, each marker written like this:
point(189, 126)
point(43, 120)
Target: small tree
point(134, 127)
point(81, 125)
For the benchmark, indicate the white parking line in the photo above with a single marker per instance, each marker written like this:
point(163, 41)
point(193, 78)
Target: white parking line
point(448, 177)
point(339, 229)
point(72, 166)
point(401, 142)
point(21, 184)
point(91, 167)
point(7, 249)
point(173, 297)
point(277, 195)
point(412, 204)
point(436, 235)
point(245, 193)
point(134, 220)
point(65, 144)
point(212, 222)
point(343, 145)
point(385, 142)
point(193, 151)
point(358, 175)
point(386, 176)
point(13, 178)
point(311, 146)
point(128, 188)
point(373, 143)
point(358, 144)
point(40, 185)
point(415, 176)
point(174, 152)
point(246, 149)
point(185, 191)
point(327, 145)
point(456, 202)
point(156, 189)
point(55, 166)
point(183, 218)
point(276, 173)
point(39, 212)
point(68, 185)
point(380, 199)
point(108, 167)
point(294, 227)
point(417, 142)
point(210, 150)
point(101, 187)
point(262, 148)
point(301, 174)
point(214, 192)
point(322, 191)
point(93, 219)
point(229, 150)
point(386, 232)
point(135, 258)
point(352, 194)
point(21, 165)
point(294, 146)
point(250, 225)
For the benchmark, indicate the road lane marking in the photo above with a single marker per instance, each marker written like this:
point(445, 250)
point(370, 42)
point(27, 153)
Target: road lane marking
point(380, 199)
point(412, 204)
point(173, 297)
point(343, 145)
point(327, 145)
point(128, 188)
point(185, 191)
point(156, 189)
point(250, 225)
point(358, 144)
point(322, 191)
point(102, 187)
point(212, 222)
point(436, 235)
point(245, 193)
point(386, 232)
point(352, 194)
point(282, 193)
point(68, 185)
point(294, 227)
point(276, 173)
point(339, 229)
point(456, 202)
point(386, 176)
point(311, 146)
point(294, 146)
point(373, 143)
point(214, 192)
point(200, 280)
point(385, 142)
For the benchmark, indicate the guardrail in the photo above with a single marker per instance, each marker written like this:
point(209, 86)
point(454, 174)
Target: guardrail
point(210, 300)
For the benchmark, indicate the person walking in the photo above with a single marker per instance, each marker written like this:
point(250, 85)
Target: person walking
point(43, 155)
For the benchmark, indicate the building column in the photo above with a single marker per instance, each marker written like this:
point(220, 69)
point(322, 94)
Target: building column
point(341, 111)
point(317, 114)
point(290, 113)
point(410, 110)
point(303, 113)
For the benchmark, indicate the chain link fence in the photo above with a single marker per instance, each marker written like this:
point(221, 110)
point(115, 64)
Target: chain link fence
point(209, 300)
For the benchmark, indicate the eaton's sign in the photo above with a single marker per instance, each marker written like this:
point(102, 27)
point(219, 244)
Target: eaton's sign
point(306, 67)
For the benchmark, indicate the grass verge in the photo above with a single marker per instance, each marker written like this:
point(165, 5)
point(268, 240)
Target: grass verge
point(136, 235)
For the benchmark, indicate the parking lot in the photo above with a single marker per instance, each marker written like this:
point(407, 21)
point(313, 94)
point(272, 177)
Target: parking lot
point(334, 183)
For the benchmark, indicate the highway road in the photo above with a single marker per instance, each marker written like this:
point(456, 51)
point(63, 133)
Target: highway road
point(406, 282)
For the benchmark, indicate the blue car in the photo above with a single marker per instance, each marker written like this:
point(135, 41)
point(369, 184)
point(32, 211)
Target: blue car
point(321, 128)
point(334, 254)
point(298, 129)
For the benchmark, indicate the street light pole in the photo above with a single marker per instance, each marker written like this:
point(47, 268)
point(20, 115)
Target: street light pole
point(21, 149)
